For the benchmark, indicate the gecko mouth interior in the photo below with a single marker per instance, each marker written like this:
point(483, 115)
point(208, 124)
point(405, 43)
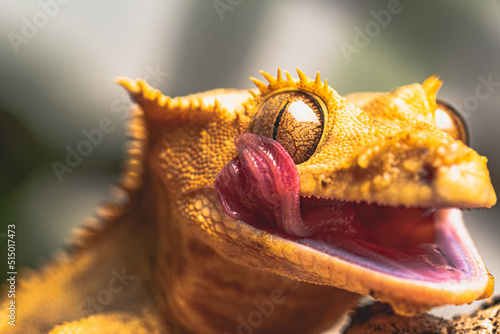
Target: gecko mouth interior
point(261, 187)
point(413, 243)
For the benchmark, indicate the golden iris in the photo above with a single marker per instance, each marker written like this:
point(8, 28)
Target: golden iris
point(295, 119)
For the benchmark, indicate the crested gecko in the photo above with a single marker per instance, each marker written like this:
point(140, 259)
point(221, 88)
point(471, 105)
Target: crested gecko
point(272, 210)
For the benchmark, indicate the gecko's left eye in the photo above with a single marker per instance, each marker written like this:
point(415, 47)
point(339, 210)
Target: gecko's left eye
point(451, 122)
point(295, 119)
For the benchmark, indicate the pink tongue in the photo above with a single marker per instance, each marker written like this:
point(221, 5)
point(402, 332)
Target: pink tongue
point(261, 186)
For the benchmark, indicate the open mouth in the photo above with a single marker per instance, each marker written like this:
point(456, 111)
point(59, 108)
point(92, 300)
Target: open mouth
point(403, 242)
point(261, 187)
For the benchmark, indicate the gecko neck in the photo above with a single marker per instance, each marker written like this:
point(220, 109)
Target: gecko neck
point(200, 288)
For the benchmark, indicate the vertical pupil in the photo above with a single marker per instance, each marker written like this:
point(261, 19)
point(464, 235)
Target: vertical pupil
point(278, 119)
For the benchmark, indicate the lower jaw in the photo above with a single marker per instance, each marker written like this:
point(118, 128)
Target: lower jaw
point(399, 242)
point(410, 288)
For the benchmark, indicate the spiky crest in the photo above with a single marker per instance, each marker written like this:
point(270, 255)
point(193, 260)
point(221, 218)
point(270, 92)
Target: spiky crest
point(275, 83)
point(192, 108)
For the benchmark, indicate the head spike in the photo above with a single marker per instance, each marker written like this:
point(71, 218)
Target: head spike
point(431, 86)
point(303, 78)
point(268, 77)
point(317, 80)
point(217, 104)
point(162, 100)
point(253, 93)
point(174, 103)
point(279, 77)
point(326, 88)
point(127, 83)
point(260, 84)
point(200, 102)
point(288, 76)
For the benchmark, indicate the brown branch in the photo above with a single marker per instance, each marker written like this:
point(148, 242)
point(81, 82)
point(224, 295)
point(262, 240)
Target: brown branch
point(379, 318)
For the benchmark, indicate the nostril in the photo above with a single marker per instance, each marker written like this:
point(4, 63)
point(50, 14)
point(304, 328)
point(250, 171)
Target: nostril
point(427, 174)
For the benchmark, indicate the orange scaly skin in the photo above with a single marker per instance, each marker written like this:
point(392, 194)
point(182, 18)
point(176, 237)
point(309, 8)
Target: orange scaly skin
point(169, 260)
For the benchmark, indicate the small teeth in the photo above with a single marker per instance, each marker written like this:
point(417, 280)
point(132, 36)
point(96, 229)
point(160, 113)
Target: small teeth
point(428, 211)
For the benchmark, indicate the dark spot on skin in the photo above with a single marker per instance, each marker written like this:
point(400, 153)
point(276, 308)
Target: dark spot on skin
point(371, 293)
point(395, 328)
point(324, 183)
point(427, 174)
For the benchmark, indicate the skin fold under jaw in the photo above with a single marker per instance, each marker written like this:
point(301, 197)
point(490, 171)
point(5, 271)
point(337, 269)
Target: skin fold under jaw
point(288, 199)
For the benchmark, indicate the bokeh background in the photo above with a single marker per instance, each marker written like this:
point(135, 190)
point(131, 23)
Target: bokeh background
point(58, 60)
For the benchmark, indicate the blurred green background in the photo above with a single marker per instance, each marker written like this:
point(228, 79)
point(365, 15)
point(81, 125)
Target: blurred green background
point(58, 60)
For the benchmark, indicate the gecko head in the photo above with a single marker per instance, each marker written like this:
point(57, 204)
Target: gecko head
point(362, 193)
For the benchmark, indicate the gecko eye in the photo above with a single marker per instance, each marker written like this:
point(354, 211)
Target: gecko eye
point(451, 122)
point(295, 119)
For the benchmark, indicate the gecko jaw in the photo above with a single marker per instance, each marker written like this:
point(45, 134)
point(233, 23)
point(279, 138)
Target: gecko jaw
point(399, 245)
